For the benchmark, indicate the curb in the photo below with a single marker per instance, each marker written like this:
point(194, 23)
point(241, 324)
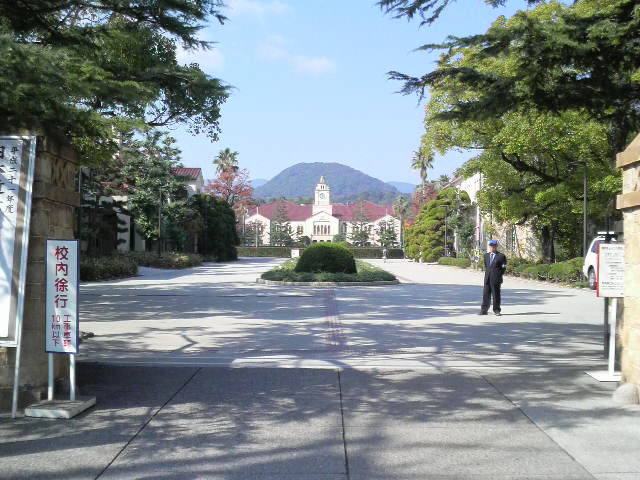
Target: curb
point(262, 281)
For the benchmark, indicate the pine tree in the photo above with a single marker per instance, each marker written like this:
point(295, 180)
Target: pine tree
point(360, 226)
point(281, 233)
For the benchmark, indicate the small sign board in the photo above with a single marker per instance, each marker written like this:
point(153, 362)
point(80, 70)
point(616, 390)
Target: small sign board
point(17, 158)
point(610, 279)
point(62, 287)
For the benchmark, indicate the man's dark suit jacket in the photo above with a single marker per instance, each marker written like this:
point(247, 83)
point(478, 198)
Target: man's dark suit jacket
point(493, 273)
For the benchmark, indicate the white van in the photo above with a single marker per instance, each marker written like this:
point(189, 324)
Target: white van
point(590, 266)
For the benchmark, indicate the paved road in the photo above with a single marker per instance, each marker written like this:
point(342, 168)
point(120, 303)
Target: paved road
point(401, 382)
point(218, 315)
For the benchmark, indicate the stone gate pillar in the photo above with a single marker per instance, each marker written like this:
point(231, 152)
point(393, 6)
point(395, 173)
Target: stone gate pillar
point(629, 203)
point(55, 198)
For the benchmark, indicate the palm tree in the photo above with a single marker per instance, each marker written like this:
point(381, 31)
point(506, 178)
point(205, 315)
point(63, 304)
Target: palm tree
point(401, 208)
point(444, 179)
point(422, 162)
point(225, 160)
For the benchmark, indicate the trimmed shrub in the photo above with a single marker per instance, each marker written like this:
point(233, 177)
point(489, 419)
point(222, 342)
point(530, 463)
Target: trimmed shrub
point(569, 271)
point(375, 252)
point(326, 257)
point(277, 252)
point(365, 273)
point(516, 263)
point(107, 268)
point(168, 260)
point(455, 262)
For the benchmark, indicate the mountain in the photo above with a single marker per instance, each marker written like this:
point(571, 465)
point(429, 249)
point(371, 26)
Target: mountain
point(258, 182)
point(347, 184)
point(403, 187)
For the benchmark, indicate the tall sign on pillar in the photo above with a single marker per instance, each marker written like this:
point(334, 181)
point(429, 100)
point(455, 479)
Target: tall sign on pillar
point(17, 158)
point(17, 161)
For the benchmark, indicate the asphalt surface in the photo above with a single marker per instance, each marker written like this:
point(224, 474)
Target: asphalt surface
point(399, 382)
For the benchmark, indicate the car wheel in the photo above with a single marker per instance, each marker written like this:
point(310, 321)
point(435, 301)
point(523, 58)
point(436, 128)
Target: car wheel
point(592, 279)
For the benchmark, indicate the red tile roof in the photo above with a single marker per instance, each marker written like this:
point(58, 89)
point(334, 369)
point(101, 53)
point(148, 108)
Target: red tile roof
point(192, 173)
point(298, 213)
point(295, 212)
point(371, 210)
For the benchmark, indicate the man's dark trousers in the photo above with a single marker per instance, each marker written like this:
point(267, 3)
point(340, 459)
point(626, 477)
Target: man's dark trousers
point(493, 271)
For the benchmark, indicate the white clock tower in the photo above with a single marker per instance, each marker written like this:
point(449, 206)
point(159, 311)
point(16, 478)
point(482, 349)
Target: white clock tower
point(323, 198)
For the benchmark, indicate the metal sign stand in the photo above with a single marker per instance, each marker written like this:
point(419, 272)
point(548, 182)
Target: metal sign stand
point(610, 375)
point(52, 408)
point(62, 316)
point(610, 285)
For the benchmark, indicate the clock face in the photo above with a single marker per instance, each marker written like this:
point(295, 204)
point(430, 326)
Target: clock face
point(321, 196)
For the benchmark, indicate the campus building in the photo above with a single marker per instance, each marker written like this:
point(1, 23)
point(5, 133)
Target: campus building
point(515, 240)
point(323, 219)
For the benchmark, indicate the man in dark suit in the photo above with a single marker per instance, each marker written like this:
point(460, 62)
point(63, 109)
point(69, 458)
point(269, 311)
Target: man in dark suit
point(495, 263)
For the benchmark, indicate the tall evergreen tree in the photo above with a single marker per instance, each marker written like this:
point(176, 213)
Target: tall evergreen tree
point(281, 233)
point(360, 226)
point(87, 69)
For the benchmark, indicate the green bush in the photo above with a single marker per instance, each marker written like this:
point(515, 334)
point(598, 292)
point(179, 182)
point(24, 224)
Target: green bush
point(107, 268)
point(375, 252)
point(516, 264)
point(365, 273)
point(168, 260)
point(326, 257)
point(455, 262)
point(569, 271)
point(278, 252)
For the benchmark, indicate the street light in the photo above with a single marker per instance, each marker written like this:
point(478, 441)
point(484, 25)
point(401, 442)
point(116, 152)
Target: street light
point(584, 203)
point(446, 246)
point(160, 225)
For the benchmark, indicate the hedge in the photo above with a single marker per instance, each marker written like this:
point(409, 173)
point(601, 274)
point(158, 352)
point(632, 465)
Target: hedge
point(168, 260)
point(455, 262)
point(107, 268)
point(375, 252)
point(569, 271)
point(285, 252)
point(365, 273)
point(278, 252)
point(326, 257)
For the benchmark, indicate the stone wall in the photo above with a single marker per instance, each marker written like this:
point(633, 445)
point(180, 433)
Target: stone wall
point(55, 198)
point(629, 203)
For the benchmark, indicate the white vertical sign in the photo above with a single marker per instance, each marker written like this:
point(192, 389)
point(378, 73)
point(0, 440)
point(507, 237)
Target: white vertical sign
point(62, 285)
point(610, 279)
point(17, 157)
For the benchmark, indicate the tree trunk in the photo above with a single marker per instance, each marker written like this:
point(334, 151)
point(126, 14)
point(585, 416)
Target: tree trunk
point(547, 239)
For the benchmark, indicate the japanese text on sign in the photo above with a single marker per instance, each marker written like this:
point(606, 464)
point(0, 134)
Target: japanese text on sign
point(62, 296)
point(12, 222)
point(611, 270)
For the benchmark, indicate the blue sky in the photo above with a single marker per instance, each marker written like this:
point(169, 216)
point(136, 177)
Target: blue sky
point(310, 85)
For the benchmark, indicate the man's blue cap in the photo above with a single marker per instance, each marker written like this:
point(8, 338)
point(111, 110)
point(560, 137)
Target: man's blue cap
point(493, 242)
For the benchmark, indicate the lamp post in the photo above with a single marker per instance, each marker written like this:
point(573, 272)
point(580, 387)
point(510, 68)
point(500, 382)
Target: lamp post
point(584, 202)
point(446, 246)
point(160, 224)
point(584, 210)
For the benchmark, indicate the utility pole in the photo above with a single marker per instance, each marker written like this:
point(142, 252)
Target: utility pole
point(160, 225)
point(446, 247)
point(584, 213)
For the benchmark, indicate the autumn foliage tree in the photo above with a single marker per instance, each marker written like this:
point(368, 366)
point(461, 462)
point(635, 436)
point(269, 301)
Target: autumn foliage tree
point(232, 186)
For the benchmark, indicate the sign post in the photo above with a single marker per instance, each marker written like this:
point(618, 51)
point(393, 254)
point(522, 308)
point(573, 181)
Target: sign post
point(62, 329)
point(610, 286)
point(17, 161)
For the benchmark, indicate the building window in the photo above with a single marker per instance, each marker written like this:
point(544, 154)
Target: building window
point(300, 230)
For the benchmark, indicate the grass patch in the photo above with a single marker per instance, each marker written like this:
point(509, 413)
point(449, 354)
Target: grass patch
point(365, 273)
point(455, 262)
